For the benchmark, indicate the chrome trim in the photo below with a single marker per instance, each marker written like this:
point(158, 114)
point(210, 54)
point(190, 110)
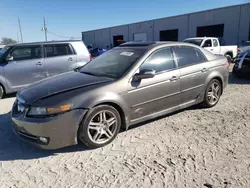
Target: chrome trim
point(242, 60)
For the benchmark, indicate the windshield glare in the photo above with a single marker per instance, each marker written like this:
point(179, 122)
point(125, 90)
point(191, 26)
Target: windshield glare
point(113, 63)
point(194, 41)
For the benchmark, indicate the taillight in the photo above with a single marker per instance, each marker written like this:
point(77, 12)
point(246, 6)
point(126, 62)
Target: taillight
point(90, 57)
point(226, 64)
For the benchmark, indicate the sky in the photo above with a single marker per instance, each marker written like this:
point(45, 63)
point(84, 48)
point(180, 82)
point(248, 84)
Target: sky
point(67, 19)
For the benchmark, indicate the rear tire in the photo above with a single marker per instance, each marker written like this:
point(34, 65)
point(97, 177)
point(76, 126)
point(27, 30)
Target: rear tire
point(100, 126)
point(212, 94)
point(1, 92)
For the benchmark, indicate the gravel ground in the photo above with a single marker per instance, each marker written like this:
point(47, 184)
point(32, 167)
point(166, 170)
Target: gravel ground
point(191, 148)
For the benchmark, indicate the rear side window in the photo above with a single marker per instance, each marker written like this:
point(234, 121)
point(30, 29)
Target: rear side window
point(215, 43)
point(26, 52)
point(160, 61)
point(188, 55)
point(53, 50)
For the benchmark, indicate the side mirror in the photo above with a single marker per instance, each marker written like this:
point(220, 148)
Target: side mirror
point(144, 74)
point(9, 58)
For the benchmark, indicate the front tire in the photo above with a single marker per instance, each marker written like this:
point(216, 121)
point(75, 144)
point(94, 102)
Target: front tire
point(212, 94)
point(1, 92)
point(100, 126)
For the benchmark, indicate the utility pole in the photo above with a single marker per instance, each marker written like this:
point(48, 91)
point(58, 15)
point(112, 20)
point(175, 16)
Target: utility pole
point(20, 30)
point(17, 37)
point(45, 28)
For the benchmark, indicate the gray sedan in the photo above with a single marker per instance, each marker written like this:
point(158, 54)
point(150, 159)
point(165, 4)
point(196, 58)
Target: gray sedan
point(125, 86)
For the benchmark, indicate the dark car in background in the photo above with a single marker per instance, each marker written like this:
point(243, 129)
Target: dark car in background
point(127, 85)
point(242, 65)
point(244, 47)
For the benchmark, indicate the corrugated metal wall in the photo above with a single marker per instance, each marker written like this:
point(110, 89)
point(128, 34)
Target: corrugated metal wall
point(236, 20)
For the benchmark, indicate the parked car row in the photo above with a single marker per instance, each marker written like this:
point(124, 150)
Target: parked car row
point(126, 85)
point(24, 64)
point(242, 65)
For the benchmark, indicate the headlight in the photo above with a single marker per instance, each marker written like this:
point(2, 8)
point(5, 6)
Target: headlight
point(41, 111)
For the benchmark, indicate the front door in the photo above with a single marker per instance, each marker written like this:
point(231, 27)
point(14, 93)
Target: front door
point(59, 58)
point(216, 47)
point(162, 92)
point(26, 67)
point(207, 44)
point(193, 72)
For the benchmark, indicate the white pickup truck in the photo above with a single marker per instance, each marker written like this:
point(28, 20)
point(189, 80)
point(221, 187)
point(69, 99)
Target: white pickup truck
point(214, 45)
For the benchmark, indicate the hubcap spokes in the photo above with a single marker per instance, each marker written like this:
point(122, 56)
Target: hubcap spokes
point(102, 127)
point(213, 93)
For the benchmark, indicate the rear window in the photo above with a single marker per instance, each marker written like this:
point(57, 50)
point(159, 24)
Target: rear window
point(53, 50)
point(194, 41)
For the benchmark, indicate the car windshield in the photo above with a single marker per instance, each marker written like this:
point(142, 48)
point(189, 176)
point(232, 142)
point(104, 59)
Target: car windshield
point(113, 63)
point(194, 41)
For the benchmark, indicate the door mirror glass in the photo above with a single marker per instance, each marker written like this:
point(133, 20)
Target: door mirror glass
point(144, 74)
point(9, 58)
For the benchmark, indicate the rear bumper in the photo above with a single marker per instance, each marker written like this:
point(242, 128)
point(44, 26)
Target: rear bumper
point(60, 130)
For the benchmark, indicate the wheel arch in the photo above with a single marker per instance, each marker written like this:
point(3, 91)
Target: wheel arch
point(215, 75)
point(229, 53)
point(118, 107)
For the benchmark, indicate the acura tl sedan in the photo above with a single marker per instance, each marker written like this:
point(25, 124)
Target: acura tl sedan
point(126, 85)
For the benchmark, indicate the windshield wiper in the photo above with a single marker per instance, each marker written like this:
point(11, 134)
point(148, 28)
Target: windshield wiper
point(89, 73)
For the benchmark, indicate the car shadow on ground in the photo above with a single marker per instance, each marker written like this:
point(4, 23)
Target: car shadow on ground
point(13, 148)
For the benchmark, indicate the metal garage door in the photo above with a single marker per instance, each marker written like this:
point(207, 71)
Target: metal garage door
point(142, 37)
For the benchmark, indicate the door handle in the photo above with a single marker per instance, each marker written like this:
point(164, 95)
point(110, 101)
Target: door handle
point(174, 78)
point(70, 59)
point(211, 49)
point(39, 63)
point(204, 70)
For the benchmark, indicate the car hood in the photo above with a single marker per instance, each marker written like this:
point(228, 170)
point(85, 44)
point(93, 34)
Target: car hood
point(58, 84)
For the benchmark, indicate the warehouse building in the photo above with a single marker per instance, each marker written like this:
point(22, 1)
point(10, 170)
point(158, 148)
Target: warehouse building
point(232, 23)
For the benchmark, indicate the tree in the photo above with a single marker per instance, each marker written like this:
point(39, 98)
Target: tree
point(7, 41)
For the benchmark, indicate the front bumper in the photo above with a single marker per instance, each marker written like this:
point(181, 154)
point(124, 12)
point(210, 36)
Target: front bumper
point(60, 130)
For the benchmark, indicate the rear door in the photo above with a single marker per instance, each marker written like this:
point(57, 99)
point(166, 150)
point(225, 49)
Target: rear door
point(162, 92)
point(193, 71)
point(59, 58)
point(26, 67)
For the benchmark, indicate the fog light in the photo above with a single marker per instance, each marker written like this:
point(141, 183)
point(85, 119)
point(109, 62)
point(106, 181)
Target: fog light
point(43, 140)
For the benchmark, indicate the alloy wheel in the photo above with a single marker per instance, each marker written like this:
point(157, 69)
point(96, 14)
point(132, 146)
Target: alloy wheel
point(213, 94)
point(102, 127)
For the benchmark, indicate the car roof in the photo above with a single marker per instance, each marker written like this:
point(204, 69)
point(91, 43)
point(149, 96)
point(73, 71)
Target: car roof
point(201, 38)
point(45, 42)
point(149, 45)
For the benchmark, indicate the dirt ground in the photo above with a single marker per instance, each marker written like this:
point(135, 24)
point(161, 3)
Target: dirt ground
point(192, 148)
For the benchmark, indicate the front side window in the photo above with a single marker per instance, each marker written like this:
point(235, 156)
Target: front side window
point(24, 53)
point(53, 50)
point(207, 43)
point(160, 61)
point(215, 42)
point(188, 55)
